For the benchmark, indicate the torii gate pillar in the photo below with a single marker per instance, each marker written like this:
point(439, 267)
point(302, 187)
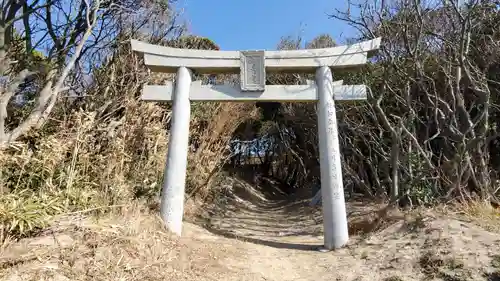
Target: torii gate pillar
point(172, 199)
point(332, 188)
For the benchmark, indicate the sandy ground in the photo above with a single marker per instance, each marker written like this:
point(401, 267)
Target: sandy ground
point(248, 237)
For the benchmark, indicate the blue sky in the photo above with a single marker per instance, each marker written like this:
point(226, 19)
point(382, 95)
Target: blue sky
point(259, 24)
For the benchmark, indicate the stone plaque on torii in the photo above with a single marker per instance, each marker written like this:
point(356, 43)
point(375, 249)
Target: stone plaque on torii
point(253, 66)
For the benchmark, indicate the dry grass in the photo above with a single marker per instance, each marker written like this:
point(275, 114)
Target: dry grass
point(111, 153)
point(131, 245)
point(72, 169)
point(495, 261)
point(212, 133)
point(479, 212)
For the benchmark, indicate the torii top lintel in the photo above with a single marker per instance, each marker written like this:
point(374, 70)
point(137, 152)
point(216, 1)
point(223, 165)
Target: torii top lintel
point(166, 59)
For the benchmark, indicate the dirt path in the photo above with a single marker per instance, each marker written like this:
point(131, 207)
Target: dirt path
point(249, 237)
point(282, 237)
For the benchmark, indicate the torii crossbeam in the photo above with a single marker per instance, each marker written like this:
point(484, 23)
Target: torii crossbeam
point(253, 66)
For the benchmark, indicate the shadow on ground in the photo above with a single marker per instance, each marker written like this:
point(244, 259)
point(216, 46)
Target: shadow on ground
point(269, 243)
point(252, 213)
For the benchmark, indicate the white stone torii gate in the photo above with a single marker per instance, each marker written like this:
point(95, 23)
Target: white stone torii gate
point(252, 66)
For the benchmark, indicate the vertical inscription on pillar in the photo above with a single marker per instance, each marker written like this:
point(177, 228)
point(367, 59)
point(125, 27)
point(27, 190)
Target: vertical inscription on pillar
point(332, 131)
point(252, 71)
